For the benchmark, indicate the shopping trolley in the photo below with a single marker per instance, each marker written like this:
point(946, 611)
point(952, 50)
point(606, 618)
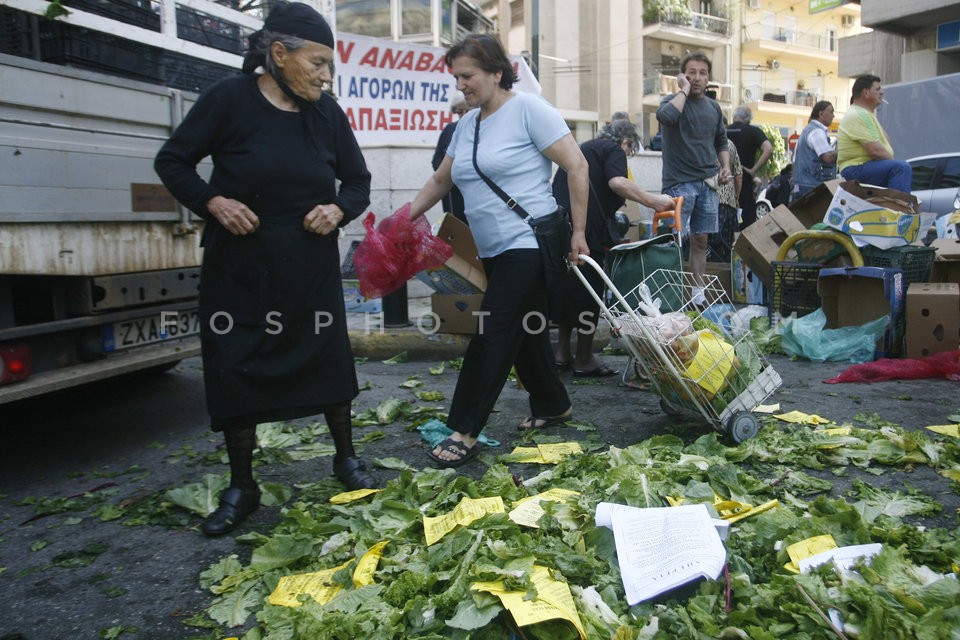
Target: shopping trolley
point(697, 358)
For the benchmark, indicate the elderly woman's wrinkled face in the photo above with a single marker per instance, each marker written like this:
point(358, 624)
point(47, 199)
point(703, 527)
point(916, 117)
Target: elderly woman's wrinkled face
point(307, 69)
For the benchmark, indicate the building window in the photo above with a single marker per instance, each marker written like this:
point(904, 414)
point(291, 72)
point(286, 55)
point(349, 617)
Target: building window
point(364, 17)
point(415, 17)
point(832, 39)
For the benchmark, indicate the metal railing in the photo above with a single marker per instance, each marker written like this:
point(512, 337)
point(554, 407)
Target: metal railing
point(776, 95)
point(694, 20)
point(664, 84)
point(811, 40)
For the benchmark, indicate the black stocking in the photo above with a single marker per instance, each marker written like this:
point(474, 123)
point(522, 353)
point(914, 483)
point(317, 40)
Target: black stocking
point(240, 444)
point(338, 421)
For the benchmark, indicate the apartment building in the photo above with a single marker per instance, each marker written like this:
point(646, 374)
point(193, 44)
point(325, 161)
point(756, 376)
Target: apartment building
point(909, 40)
point(789, 58)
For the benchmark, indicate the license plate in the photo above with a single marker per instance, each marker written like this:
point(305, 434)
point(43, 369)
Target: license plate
point(150, 329)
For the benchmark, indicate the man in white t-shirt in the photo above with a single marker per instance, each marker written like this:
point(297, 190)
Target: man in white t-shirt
point(815, 160)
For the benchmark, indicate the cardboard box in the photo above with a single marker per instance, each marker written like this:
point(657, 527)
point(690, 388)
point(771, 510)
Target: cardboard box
point(884, 218)
point(853, 296)
point(355, 302)
point(759, 243)
point(456, 312)
point(812, 206)
point(745, 286)
point(946, 266)
point(933, 318)
point(463, 272)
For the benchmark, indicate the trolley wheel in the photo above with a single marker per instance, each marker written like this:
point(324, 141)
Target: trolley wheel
point(742, 425)
point(668, 408)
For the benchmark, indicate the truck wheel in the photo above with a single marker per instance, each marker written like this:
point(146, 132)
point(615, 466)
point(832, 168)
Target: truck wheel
point(742, 425)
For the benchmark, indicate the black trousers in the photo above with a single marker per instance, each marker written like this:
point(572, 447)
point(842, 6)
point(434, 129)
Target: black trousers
point(513, 334)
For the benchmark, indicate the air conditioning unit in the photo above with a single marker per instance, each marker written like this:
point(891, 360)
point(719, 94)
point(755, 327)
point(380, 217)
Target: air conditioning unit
point(773, 65)
point(846, 21)
point(753, 4)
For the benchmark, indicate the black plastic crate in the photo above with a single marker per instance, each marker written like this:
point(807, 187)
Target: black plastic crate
point(88, 49)
point(191, 74)
point(18, 31)
point(209, 31)
point(135, 12)
point(915, 262)
point(794, 289)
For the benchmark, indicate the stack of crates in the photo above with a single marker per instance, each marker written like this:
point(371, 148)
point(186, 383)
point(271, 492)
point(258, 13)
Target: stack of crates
point(18, 32)
point(88, 49)
point(794, 289)
point(915, 261)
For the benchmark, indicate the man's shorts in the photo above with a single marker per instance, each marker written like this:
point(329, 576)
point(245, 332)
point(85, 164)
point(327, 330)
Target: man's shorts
point(700, 206)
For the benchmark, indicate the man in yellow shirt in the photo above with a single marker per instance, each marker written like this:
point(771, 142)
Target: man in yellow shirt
point(864, 153)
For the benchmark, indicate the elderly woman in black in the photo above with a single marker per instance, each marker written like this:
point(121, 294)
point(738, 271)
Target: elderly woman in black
point(274, 335)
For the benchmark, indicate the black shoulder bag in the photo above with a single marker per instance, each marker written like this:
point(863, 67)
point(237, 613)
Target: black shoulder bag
point(553, 231)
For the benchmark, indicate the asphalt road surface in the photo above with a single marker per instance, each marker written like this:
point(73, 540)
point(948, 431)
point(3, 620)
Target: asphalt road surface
point(87, 549)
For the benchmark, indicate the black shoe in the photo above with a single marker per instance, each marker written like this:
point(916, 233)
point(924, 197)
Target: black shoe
point(352, 472)
point(235, 505)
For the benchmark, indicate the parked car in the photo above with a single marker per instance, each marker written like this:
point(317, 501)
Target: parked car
point(936, 181)
point(776, 192)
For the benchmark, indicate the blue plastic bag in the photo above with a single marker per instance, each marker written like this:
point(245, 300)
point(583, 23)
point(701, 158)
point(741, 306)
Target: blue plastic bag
point(806, 338)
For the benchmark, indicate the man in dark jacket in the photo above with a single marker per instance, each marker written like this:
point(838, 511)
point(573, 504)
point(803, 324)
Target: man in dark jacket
point(754, 150)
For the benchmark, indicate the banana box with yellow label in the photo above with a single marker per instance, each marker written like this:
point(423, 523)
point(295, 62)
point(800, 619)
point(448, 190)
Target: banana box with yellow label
point(884, 218)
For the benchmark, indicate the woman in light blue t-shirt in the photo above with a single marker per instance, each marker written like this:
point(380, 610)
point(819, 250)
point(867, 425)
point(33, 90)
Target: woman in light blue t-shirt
point(520, 136)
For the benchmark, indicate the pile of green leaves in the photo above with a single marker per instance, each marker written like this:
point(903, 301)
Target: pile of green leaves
point(423, 592)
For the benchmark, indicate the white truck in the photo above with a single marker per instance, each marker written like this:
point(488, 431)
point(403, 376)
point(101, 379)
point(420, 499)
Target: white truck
point(99, 266)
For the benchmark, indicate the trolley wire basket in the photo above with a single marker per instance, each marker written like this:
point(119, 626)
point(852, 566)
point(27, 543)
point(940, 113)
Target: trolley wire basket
point(696, 365)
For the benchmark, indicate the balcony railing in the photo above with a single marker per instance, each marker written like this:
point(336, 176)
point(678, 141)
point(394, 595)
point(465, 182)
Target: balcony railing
point(805, 39)
point(795, 97)
point(699, 21)
point(662, 84)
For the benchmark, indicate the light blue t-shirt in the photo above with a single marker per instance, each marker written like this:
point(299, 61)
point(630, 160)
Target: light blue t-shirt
point(510, 154)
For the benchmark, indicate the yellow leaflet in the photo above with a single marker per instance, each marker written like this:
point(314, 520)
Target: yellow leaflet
point(710, 367)
point(806, 548)
point(554, 600)
point(317, 585)
point(836, 431)
point(546, 453)
point(729, 509)
point(554, 453)
point(351, 496)
point(799, 417)
point(674, 502)
point(528, 454)
point(526, 512)
point(767, 408)
point(367, 565)
point(463, 514)
point(946, 429)
point(760, 508)
point(953, 474)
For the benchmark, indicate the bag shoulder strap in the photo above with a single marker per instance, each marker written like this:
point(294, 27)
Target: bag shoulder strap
point(512, 204)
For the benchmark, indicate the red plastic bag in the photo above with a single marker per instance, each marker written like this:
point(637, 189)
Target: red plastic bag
point(939, 365)
point(395, 251)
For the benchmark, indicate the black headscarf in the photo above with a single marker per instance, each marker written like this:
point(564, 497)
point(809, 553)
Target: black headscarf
point(292, 19)
point(301, 21)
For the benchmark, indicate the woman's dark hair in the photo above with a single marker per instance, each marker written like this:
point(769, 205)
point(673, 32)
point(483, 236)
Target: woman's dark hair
point(819, 108)
point(488, 54)
point(861, 84)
